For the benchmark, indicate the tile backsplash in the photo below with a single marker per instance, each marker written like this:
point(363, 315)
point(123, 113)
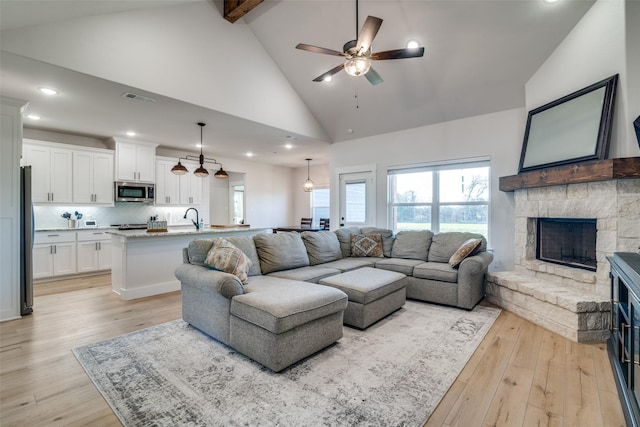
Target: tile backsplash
point(47, 216)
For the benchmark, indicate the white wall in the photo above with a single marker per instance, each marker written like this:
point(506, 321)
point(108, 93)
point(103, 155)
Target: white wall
point(10, 220)
point(497, 135)
point(134, 48)
point(633, 67)
point(595, 49)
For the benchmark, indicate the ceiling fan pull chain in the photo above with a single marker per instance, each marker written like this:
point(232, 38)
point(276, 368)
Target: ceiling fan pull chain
point(356, 97)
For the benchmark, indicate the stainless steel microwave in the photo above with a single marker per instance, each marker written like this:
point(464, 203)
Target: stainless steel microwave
point(134, 192)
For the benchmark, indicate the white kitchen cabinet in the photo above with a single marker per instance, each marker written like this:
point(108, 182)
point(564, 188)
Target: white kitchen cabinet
point(51, 171)
point(167, 183)
point(54, 254)
point(94, 250)
point(135, 162)
point(190, 186)
point(93, 177)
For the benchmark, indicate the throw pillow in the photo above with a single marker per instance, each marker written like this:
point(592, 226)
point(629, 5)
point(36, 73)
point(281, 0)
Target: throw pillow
point(366, 245)
point(224, 256)
point(466, 249)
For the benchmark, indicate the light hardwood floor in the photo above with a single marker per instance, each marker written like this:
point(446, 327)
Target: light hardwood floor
point(521, 374)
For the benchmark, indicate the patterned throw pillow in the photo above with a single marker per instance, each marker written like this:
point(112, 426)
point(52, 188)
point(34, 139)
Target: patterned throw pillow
point(466, 249)
point(224, 256)
point(366, 245)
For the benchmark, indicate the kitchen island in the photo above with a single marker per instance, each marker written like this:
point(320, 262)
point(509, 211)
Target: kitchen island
point(143, 263)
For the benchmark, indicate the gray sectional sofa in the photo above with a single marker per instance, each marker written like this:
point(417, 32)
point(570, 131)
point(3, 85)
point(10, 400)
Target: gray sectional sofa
point(282, 315)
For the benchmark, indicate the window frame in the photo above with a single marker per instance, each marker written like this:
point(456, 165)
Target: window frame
point(435, 204)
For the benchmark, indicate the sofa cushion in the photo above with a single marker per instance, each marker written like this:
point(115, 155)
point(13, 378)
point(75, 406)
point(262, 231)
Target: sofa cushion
point(280, 251)
point(279, 305)
point(344, 237)
point(412, 244)
point(246, 245)
point(387, 238)
point(467, 248)
point(351, 263)
point(367, 284)
point(366, 245)
point(198, 250)
point(311, 274)
point(443, 245)
point(322, 246)
point(224, 256)
point(436, 271)
point(400, 265)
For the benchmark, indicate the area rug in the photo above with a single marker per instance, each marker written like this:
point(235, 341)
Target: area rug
point(392, 374)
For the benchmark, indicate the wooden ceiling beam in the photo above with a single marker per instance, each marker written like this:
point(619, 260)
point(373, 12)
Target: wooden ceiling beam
point(236, 9)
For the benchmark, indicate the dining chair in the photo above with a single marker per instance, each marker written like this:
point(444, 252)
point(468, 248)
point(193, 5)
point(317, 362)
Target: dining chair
point(324, 223)
point(306, 222)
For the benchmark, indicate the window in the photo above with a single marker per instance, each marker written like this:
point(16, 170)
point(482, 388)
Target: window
point(319, 204)
point(452, 197)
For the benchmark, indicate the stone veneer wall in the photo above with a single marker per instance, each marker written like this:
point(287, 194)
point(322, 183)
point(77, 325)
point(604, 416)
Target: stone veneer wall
point(571, 302)
point(614, 204)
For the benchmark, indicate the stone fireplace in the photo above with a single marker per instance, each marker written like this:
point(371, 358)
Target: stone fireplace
point(571, 300)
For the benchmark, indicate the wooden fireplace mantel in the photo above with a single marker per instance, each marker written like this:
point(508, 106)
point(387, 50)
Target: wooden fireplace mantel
point(595, 170)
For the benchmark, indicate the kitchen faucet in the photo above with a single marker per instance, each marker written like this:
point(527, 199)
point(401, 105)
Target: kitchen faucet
point(197, 221)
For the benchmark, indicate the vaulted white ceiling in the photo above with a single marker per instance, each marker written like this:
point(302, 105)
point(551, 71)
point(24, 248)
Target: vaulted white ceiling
point(251, 85)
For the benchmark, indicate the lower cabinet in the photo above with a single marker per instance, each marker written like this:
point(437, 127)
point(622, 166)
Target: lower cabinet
point(54, 254)
point(624, 342)
point(66, 253)
point(94, 251)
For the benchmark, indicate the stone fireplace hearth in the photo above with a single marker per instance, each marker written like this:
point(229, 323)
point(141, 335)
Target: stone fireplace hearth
point(573, 302)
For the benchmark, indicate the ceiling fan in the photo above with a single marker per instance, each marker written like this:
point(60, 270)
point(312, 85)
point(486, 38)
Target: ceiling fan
point(358, 53)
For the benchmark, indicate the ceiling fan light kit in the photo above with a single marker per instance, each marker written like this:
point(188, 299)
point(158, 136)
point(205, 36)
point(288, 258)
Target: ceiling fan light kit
point(201, 171)
point(359, 55)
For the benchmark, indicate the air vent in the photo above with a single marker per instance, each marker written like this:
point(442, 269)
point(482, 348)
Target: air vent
point(131, 95)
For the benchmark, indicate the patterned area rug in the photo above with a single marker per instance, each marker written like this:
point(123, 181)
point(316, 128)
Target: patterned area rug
point(393, 373)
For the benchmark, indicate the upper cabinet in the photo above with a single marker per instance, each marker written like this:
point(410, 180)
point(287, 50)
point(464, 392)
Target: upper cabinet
point(167, 183)
point(135, 161)
point(172, 189)
point(51, 171)
point(93, 177)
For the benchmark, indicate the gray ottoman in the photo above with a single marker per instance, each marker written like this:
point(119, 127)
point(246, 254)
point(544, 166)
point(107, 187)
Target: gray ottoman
point(373, 294)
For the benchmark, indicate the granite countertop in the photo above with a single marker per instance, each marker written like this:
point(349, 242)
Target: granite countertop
point(176, 231)
point(50, 229)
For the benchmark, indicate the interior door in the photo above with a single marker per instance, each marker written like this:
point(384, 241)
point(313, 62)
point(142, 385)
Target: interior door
point(357, 199)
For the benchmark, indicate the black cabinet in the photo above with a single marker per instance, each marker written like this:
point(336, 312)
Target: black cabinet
point(624, 342)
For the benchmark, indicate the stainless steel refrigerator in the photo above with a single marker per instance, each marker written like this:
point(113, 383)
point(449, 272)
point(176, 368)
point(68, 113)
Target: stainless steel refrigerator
point(26, 242)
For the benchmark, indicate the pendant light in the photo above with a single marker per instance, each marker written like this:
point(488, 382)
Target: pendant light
point(308, 184)
point(201, 171)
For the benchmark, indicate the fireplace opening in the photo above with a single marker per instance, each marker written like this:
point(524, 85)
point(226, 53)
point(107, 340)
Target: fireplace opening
point(567, 241)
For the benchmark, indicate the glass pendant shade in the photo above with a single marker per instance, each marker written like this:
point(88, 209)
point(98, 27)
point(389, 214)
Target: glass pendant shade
point(357, 66)
point(179, 169)
point(308, 185)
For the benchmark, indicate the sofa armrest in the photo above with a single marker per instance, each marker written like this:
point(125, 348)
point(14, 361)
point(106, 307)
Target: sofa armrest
point(471, 279)
point(215, 281)
point(475, 264)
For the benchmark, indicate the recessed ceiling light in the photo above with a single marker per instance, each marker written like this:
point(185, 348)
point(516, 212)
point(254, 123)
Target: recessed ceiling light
point(48, 91)
point(328, 79)
point(550, 1)
point(249, 154)
point(412, 44)
point(288, 146)
point(33, 117)
point(131, 133)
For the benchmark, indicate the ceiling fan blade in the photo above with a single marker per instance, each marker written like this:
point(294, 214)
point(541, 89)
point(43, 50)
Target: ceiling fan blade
point(373, 77)
point(368, 33)
point(398, 54)
point(317, 49)
point(329, 73)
